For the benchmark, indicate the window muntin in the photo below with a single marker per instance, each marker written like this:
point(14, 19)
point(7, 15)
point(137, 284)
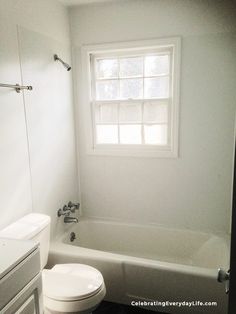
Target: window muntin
point(102, 140)
point(132, 98)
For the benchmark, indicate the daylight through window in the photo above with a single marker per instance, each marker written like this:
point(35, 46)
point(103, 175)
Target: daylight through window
point(132, 97)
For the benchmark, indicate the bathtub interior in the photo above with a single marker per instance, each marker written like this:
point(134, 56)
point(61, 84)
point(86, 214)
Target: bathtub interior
point(152, 242)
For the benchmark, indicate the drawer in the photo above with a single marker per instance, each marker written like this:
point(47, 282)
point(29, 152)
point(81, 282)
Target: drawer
point(14, 281)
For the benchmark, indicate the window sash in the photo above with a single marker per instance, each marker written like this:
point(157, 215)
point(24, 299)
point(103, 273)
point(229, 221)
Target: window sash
point(119, 78)
point(141, 122)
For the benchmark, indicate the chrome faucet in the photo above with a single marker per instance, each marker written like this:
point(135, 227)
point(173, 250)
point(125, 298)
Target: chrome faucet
point(73, 206)
point(67, 210)
point(68, 219)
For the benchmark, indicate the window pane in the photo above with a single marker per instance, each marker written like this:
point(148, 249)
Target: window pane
point(155, 112)
point(107, 90)
point(106, 113)
point(107, 134)
point(107, 68)
point(131, 88)
point(156, 65)
point(130, 112)
point(131, 67)
point(130, 134)
point(157, 87)
point(155, 134)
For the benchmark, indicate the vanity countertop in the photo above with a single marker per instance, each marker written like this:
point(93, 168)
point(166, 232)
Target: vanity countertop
point(12, 252)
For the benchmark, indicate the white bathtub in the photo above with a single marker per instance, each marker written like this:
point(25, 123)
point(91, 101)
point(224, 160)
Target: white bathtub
point(149, 263)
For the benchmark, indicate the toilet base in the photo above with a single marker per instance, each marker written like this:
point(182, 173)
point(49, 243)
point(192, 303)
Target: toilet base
point(82, 310)
point(90, 311)
point(57, 307)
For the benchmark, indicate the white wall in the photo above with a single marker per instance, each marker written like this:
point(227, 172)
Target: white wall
point(37, 144)
point(193, 191)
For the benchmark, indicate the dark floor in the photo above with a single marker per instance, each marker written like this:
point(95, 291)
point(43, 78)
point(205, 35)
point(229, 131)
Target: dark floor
point(114, 308)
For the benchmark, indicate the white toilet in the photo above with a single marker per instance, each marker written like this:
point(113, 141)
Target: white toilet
point(67, 288)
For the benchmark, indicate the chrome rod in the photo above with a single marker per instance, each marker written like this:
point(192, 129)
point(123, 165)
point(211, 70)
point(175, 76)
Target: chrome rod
point(16, 87)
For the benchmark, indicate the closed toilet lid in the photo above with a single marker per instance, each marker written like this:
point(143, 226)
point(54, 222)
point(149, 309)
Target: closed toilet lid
point(70, 282)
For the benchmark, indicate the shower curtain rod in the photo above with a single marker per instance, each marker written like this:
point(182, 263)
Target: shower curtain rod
point(17, 87)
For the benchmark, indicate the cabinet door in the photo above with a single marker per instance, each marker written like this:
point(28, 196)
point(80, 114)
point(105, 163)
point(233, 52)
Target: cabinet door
point(28, 301)
point(29, 306)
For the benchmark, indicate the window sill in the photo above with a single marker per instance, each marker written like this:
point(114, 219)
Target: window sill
point(130, 151)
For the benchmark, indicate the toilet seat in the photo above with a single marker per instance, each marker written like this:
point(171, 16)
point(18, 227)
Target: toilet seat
point(71, 282)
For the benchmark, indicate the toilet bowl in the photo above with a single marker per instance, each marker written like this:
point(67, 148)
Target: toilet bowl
point(67, 288)
point(72, 288)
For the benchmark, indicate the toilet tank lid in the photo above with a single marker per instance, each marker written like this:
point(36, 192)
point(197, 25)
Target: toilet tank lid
point(26, 227)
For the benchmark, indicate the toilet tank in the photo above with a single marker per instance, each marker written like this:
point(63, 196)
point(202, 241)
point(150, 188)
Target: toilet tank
point(34, 227)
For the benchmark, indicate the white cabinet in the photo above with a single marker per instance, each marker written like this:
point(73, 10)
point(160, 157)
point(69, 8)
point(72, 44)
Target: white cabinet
point(20, 277)
point(29, 306)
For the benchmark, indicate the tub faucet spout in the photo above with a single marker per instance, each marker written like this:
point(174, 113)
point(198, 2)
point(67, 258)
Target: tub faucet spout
point(68, 219)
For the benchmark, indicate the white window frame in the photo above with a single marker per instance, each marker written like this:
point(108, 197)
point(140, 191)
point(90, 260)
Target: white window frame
point(86, 100)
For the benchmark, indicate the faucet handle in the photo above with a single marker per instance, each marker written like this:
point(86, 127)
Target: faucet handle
point(65, 211)
point(73, 206)
point(59, 212)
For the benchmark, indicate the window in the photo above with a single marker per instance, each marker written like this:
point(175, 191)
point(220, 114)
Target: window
point(133, 98)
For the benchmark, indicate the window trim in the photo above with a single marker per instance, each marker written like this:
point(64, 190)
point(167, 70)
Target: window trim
point(135, 150)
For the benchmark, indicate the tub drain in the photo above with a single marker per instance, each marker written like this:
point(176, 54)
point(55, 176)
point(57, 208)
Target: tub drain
point(72, 236)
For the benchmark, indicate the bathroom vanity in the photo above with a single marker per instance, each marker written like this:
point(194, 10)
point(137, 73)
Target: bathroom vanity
point(20, 277)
